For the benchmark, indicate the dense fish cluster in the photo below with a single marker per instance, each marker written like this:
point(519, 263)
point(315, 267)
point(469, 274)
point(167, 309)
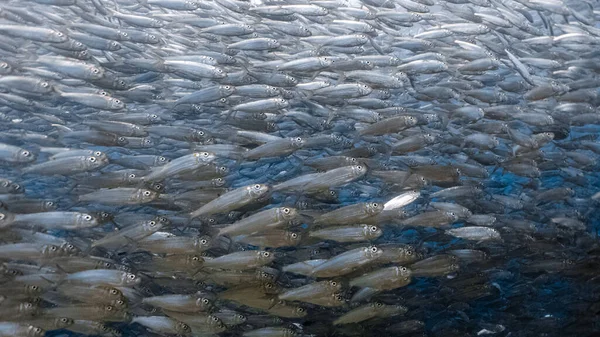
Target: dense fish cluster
point(299, 168)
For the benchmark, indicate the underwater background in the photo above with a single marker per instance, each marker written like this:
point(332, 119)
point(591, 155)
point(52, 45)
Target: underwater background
point(299, 168)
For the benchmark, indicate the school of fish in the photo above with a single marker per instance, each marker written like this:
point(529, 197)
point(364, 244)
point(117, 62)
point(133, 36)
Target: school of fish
point(282, 168)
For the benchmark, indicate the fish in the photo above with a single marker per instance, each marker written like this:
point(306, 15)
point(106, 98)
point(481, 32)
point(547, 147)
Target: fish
point(299, 168)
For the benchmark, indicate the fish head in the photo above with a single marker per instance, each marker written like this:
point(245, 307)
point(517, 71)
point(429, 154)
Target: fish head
point(204, 304)
point(366, 65)
point(372, 232)
point(359, 170)
point(202, 243)
point(372, 252)
point(86, 220)
point(297, 142)
point(156, 23)
point(182, 329)
point(265, 257)
point(414, 17)
point(69, 249)
point(123, 36)
point(287, 213)
point(147, 195)
point(5, 68)
point(44, 86)
point(122, 141)
point(113, 46)
point(34, 331)
point(25, 156)
point(299, 312)
point(62, 322)
point(292, 238)
point(373, 208)
point(94, 72)
point(258, 190)
point(116, 104)
point(59, 36)
point(151, 38)
point(130, 279)
point(219, 73)
point(204, 157)
point(215, 323)
point(273, 43)
point(364, 89)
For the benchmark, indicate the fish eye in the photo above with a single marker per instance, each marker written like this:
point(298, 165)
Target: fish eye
point(131, 276)
point(215, 319)
point(64, 320)
point(223, 100)
point(375, 204)
point(117, 101)
point(59, 34)
point(38, 330)
point(195, 258)
point(257, 186)
point(373, 249)
point(124, 34)
point(162, 158)
point(201, 133)
point(379, 304)
point(403, 269)
point(44, 84)
point(25, 153)
point(114, 292)
point(152, 223)
point(298, 139)
point(286, 210)
point(152, 36)
point(294, 236)
point(147, 193)
point(120, 302)
point(87, 217)
point(53, 248)
point(97, 153)
point(109, 308)
point(35, 288)
point(95, 71)
point(132, 175)
point(92, 159)
point(4, 65)
point(333, 283)
point(373, 228)
point(409, 252)
point(203, 241)
point(300, 309)
point(28, 305)
point(266, 254)
point(339, 298)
